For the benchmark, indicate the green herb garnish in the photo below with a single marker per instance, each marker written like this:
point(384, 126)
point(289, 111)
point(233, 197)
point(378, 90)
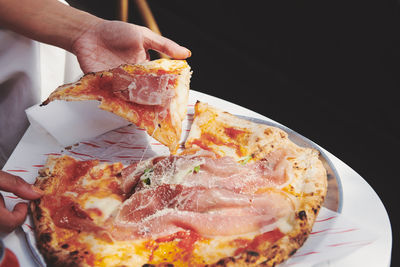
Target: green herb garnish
point(147, 173)
point(245, 159)
point(194, 170)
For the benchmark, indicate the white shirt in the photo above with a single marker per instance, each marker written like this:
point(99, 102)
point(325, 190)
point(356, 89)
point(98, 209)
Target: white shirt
point(29, 72)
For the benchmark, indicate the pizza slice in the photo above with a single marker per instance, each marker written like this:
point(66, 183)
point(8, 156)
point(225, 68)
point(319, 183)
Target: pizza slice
point(296, 171)
point(152, 95)
point(227, 135)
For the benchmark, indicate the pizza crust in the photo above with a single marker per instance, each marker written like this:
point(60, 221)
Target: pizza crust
point(56, 254)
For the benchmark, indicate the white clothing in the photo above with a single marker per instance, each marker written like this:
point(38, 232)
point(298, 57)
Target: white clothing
point(29, 72)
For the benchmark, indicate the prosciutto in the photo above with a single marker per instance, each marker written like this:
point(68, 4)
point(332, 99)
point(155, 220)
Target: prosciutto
point(144, 89)
point(211, 196)
point(166, 209)
point(132, 173)
point(208, 171)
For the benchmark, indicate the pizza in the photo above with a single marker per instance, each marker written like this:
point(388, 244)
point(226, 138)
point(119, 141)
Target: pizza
point(238, 194)
point(152, 95)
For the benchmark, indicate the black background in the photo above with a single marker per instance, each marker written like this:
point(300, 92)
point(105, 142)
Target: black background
point(329, 70)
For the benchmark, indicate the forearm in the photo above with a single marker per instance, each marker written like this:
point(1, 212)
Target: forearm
point(47, 21)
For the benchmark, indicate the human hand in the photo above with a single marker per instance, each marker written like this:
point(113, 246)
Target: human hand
point(109, 44)
point(9, 220)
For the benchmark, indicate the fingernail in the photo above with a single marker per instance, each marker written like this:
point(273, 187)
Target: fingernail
point(37, 190)
point(189, 53)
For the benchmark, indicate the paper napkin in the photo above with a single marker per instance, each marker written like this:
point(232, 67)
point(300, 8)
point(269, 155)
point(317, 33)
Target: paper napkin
point(71, 122)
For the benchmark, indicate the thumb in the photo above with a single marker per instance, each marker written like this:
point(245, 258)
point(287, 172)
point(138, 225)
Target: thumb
point(18, 186)
point(11, 220)
point(19, 213)
point(164, 45)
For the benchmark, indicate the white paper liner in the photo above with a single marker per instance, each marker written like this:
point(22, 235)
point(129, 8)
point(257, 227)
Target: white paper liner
point(71, 122)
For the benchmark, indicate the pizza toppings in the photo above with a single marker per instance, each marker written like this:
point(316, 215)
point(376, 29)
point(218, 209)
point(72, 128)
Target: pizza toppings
point(198, 192)
point(144, 89)
point(240, 195)
point(208, 171)
point(276, 167)
point(212, 196)
point(227, 135)
point(131, 175)
point(187, 239)
point(70, 215)
point(253, 245)
point(165, 209)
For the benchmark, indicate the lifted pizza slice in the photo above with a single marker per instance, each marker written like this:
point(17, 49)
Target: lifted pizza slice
point(152, 95)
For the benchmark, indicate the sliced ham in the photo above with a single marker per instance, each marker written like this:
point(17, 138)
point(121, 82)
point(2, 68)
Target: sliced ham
point(208, 195)
point(272, 171)
point(224, 172)
point(275, 168)
point(132, 173)
point(165, 209)
point(145, 89)
point(146, 202)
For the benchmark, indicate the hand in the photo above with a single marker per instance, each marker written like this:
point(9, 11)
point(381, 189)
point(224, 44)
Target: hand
point(109, 44)
point(9, 220)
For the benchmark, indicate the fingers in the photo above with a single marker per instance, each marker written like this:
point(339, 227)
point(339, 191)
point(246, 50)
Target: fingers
point(164, 45)
point(18, 186)
point(9, 220)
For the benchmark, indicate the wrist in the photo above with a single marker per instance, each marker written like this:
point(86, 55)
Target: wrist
point(73, 24)
point(82, 24)
point(47, 21)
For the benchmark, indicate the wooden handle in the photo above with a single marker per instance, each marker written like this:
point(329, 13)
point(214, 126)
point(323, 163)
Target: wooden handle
point(148, 19)
point(147, 15)
point(123, 7)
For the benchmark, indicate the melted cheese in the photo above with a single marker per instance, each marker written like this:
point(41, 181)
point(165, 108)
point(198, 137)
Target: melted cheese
point(118, 253)
point(107, 205)
point(285, 224)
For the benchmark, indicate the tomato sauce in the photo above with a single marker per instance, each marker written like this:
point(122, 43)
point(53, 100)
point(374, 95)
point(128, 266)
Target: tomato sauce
point(7, 257)
point(206, 139)
point(186, 241)
point(75, 170)
point(252, 245)
point(232, 132)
